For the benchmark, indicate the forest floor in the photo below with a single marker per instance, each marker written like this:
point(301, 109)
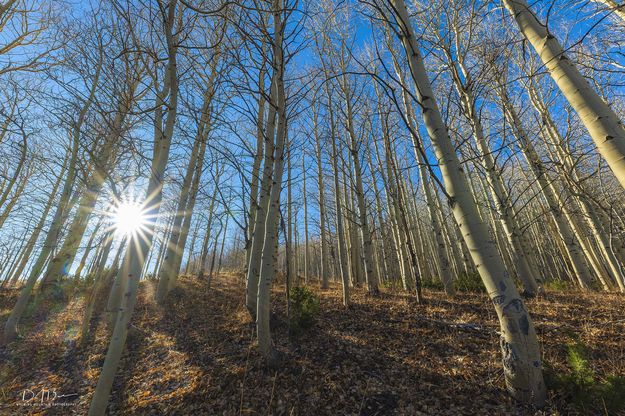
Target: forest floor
point(385, 355)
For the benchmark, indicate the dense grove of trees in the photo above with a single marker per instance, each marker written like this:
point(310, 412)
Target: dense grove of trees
point(371, 142)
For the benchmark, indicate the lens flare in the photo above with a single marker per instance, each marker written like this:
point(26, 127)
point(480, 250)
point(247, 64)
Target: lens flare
point(129, 218)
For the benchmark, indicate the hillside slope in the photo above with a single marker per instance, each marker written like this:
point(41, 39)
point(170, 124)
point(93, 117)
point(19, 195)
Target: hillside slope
point(384, 355)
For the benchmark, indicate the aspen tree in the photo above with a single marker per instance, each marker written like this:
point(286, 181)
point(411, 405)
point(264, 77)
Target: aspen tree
point(253, 268)
point(519, 344)
point(406, 250)
point(389, 188)
point(98, 172)
point(189, 209)
point(290, 253)
point(342, 244)
point(60, 214)
point(196, 230)
point(296, 249)
point(176, 243)
point(383, 273)
point(99, 281)
point(342, 252)
point(10, 194)
point(411, 262)
point(306, 244)
point(465, 85)
point(88, 248)
point(325, 268)
point(556, 207)
point(19, 243)
point(614, 7)
point(16, 271)
point(167, 229)
point(167, 272)
point(441, 260)
point(223, 243)
point(258, 159)
point(422, 245)
point(10, 328)
point(567, 224)
point(214, 253)
point(353, 148)
point(353, 239)
point(134, 259)
point(454, 252)
point(269, 251)
point(567, 169)
point(603, 124)
point(209, 225)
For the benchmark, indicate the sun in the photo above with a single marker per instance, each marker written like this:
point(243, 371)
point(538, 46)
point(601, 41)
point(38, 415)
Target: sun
point(129, 218)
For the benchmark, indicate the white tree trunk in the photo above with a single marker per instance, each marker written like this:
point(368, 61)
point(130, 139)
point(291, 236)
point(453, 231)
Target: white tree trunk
point(519, 344)
point(557, 207)
point(602, 123)
point(10, 328)
point(253, 268)
point(134, 259)
point(270, 246)
point(614, 7)
point(325, 251)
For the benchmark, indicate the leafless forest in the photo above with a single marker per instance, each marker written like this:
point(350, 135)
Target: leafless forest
point(292, 207)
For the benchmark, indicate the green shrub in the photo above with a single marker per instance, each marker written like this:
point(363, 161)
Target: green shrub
point(432, 283)
point(304, 307)
point(581, 386)
point(557, 285)
point(469, 282)
point(613, 393)
point(392, 284)
point(66, 288)
point(100, 274)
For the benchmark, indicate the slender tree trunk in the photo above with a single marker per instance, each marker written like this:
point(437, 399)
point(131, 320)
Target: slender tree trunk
point(10, 329)
point(258, 159)
point(464, 85)
point(325, 268)
point(342, 245)
point(519, 344)
point(389, 188)
point(207, 234)
point(85, 256)
point(363, 224)
point(290, 253)
point(253, 268)
point(214, 255)
point(11, 183)
point(614, 7)
point(167, 230)
point(98, 171)
point(223, 243)
point(98, 282)
point(404, 222)
point(604, 126)
point(567, 169)
point(180, 233)
point(190, 261)
point(136, 253)
point(441, 260)
point(383, 273)
point(556, 206)
point(306, 244)
point(15, 272)
point(270, 244)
